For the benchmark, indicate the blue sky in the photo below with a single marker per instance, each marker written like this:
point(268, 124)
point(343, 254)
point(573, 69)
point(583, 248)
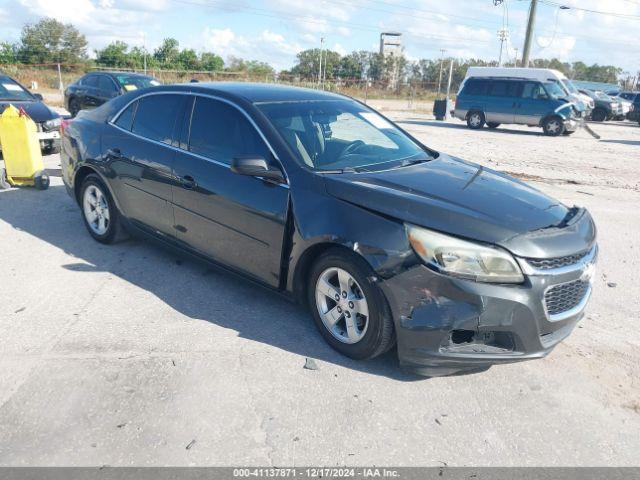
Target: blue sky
point(275, 30)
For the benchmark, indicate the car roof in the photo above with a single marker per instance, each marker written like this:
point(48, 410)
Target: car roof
point(256, 92)
point(113, 74)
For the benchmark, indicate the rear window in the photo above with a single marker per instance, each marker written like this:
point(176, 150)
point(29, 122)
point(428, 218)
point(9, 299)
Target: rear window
point(126, 117)
point(155, 117)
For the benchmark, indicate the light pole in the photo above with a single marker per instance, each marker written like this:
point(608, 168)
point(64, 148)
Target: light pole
point(440, 76)
point(503, 35)
point(320, 63)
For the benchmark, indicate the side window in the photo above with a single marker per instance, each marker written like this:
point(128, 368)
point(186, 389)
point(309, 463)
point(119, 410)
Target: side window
point(221, 132)
point(498, 88)
point(476, 87)
point(126, 117)
point(532, 90)
point(156, 115)
point(106, 84)
point(514, 89)
point(90, 81)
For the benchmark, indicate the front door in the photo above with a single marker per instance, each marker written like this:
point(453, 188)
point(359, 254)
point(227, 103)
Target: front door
point(533, 104)
point(234, 219)
point(140, 153)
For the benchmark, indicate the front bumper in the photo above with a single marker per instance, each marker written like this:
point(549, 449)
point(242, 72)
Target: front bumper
point(446, 326)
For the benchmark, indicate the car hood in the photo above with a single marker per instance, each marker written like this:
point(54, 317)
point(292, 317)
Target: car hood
point(470, 201)
point(38, 111)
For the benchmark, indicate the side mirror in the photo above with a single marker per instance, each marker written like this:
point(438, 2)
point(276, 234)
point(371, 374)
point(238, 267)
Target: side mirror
point(256, 166)
point(38, 96)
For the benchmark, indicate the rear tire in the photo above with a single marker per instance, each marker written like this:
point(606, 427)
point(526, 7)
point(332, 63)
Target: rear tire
point(99, 212)
point(492, 125)
point(553, 126)
point(475, 120)
point(341, 274)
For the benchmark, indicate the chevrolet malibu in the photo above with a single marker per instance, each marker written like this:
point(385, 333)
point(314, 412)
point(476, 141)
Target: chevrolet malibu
point(387, 241)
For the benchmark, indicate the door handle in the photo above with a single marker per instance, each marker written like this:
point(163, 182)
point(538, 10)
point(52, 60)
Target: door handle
point(188, 182)
point(114, 153)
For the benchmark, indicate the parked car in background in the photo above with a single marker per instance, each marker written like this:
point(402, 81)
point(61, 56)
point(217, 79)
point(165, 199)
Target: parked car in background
point(606, 108)
point(47, 120)
point(96, 88)
point(634, 113)
point(631, 96)
point(539, 74)
point(321, 198)
point(497, 100)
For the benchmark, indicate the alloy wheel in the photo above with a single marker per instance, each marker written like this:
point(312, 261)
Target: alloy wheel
point(96, 210)
point(342, 305)
point(475, 120)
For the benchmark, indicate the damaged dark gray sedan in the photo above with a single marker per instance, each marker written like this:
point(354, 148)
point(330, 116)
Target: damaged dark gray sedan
point(319, 197)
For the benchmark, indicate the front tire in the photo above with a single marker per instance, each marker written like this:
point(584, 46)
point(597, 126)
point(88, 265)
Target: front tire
point(599, 115)
point(348, 308)
point(100, 215)
point(553, 126)
point(475, 120)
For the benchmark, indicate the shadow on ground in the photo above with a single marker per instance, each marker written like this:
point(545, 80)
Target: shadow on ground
point(623, 142)
point(442, 124)
point(194, 289)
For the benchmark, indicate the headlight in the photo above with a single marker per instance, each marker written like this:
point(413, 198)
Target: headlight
point(53, 123)
point(463, 259)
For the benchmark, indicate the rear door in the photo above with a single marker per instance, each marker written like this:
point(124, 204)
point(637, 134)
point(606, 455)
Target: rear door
point(502, 101)
point(533, 104)
point(237, 220)
point(90, 93)
point(140, 150)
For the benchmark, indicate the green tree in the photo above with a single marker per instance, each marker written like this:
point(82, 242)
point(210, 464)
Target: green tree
point(52, 41)
point(308, 63)
point(8, 53)
point(187, 59)
point(167, 53)
point(211, 62)
point(114, 55)
point(257, 68)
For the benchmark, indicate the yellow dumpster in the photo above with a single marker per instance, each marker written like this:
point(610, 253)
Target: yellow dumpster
point(23, 163)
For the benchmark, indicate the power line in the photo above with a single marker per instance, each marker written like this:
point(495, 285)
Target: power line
point(599, 12)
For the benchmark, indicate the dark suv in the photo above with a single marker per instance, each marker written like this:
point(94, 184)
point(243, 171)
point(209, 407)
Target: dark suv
point(95, 88)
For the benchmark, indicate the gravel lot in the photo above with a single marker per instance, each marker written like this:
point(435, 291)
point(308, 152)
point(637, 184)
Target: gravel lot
point(130, 355)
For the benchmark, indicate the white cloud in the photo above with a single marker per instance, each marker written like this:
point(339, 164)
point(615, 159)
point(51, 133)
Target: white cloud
point(269, 46)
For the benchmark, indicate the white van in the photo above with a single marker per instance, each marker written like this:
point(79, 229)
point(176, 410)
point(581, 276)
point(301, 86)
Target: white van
point(540, 74)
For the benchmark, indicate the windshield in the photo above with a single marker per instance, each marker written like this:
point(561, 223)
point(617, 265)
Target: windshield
point(569, 86)
point(341, 135)
point(10, 90)
point(603, 96)
point(554, 90)
point(134, 82)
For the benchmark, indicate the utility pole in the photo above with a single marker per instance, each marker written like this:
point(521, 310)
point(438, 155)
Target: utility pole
point(440, 76)
point(527, 40)
point(515, 63)
point(503, 35)
point(320, 63)
point(144, 50)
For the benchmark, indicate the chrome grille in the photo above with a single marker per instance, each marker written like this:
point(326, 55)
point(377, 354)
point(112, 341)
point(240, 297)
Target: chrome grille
point(557, 262)
point(565, 296)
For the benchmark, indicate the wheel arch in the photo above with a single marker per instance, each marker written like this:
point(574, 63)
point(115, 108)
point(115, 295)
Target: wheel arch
point(308, 259)
point(82, 173)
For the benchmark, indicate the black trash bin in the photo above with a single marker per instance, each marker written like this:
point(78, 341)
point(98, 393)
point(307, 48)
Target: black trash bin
point(440, 108)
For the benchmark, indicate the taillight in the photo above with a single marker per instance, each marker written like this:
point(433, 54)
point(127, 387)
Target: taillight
point(64, 124)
